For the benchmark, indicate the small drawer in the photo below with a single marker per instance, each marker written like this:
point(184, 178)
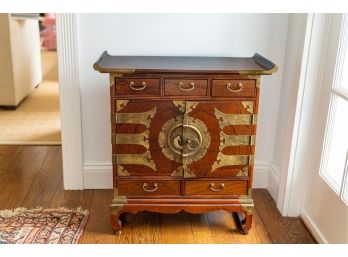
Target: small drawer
point(148, 187)
point(138, 86)
point(233, 87)
point(215, 187)
point(196, 87)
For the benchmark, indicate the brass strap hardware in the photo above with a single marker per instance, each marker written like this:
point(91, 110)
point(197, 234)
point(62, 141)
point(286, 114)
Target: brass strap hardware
point(120, 104)
point(134, 118)
point(233, 140)
point(243, 172)
point(132, 139)
point(121, 171)
point(181, 84)
point(232, 160)
point(113, 77)
point(155, 187)
point(233, 119)
point(240, 87)
point(134, 159)
point(180, 105)
point(133, 86)
point(178, 172)
point(249, 106)
point(214, 189)
point(190, 106)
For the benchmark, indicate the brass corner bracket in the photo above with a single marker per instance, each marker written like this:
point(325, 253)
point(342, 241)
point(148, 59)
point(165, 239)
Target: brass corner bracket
point(247, 203)
point(117, 202)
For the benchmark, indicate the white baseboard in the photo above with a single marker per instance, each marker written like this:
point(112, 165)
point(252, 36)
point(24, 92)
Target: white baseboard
point(261, 174)
point(99, 175)
point(273, 182)
point(313, 228)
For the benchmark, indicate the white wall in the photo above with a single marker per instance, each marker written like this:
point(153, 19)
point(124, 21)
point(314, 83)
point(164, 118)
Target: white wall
point(171, 34)
point(286, 125)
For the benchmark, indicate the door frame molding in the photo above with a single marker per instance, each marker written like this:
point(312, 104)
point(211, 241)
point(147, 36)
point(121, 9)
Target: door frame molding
point(70, 100)
point(294, 176)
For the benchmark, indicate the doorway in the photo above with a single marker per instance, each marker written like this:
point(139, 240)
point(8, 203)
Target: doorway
point(30, 114)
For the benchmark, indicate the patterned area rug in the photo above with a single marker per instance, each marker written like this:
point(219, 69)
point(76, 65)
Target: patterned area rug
point(41, 226)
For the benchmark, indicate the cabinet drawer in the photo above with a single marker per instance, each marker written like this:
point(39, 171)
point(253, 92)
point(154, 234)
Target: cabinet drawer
point(148, 187)
point(215, 187)
point(194, 87)
point(233, 87)
point(138, 86)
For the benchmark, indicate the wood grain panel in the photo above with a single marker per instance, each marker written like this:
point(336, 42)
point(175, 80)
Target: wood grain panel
point(148, 187)
point(186, 87)
point(137, 86)
point(225, 87)
point(222, 187)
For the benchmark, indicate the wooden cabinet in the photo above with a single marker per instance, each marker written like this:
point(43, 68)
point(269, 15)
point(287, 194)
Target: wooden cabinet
point(183, 133)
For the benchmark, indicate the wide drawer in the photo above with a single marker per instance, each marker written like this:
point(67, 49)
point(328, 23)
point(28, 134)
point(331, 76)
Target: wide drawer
point(189, 87)
point(215, 187)
point(233, 87)
point(138, 86)
point(148, 187)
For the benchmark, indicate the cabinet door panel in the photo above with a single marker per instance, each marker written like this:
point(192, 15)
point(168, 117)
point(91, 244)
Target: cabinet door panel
point(137, 125)
point(229, 152)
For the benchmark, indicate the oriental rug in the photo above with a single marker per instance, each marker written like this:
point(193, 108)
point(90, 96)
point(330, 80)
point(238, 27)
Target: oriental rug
point(41, 226)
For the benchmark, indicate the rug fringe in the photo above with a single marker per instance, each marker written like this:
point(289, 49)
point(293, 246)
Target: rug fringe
point(20, 210)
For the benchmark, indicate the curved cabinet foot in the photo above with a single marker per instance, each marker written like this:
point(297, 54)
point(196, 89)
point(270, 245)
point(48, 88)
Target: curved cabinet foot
point(116, 222)
point(118, 232)
point(243, 221)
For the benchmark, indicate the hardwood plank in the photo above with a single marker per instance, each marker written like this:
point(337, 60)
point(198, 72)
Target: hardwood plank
point(200, 229)
point(144, 229)
point(280, 229)
point(46, 182)
point(222, 227)
point(8, 154)
point(176, 229)
point(259, 232)
point(71, 199)
point(31, 176)
point(98, 228)
point(17, 179)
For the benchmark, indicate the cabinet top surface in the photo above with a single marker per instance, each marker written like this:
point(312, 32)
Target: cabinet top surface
point(255, 65)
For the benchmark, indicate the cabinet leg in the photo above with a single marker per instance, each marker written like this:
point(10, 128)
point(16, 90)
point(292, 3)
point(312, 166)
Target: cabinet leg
point(243, 221)
point(116, 223)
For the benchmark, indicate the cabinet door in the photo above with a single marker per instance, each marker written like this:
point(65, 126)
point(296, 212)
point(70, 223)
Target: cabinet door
point(138, 149)
point(219, 138)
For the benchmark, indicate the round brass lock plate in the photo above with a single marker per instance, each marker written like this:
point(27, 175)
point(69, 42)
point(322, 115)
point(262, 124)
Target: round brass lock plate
point(184, 139)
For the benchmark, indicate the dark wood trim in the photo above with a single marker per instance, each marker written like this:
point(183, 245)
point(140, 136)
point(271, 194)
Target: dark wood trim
point(256, 65)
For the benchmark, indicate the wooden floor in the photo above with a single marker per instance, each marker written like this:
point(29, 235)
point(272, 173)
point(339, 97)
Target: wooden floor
point(31, 176)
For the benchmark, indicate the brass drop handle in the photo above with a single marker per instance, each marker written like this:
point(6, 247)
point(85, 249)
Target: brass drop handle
point(181, 84)
point(153, 189)
point(214, 189)
point(240, 87)
point(193, 143)
point(133, 86)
